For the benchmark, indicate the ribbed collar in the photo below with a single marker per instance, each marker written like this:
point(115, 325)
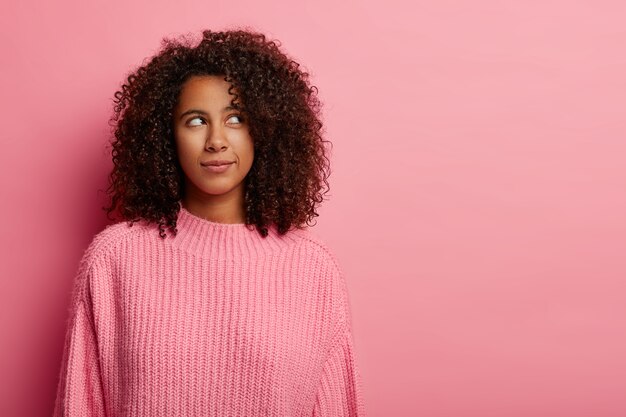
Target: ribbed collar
point(207, 238)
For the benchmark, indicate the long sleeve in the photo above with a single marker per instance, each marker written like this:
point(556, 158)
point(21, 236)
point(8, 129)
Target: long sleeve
point(79, 392)
point(339, 393)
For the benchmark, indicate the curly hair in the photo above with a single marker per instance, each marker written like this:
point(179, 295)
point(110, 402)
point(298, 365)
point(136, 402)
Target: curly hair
point(290, 171)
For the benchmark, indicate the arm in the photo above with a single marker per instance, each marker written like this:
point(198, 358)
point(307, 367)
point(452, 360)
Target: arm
point(79, 392)
point(339, 391)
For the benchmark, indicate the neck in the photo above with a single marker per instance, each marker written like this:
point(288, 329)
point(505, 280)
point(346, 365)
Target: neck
point(227, 208)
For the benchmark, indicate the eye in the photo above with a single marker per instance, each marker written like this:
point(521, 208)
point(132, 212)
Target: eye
point(189, 122)
point(238, 117)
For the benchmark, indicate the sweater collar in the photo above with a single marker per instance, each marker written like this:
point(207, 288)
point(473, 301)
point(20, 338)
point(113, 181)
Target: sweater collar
point(207, 238)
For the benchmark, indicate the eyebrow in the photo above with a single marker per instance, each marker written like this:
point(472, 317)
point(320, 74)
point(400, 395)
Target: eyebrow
point(197, 111)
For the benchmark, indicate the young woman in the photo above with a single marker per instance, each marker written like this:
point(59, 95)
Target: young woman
point(212, 297)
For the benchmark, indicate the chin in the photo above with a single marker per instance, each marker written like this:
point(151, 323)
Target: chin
point(220, 191)
point(217, 189)
point(214, 186)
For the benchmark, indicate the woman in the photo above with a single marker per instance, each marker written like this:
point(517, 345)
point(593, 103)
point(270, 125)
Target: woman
point(240, 310)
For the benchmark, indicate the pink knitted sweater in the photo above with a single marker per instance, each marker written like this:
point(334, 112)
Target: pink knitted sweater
point(216, 321)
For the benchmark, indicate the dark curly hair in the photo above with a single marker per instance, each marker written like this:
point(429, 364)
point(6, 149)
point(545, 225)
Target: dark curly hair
point(289, 174)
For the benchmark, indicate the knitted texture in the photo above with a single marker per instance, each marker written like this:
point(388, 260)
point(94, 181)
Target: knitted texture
point(216, 321)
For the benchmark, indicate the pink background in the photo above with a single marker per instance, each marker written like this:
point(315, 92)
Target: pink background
point(478, 195)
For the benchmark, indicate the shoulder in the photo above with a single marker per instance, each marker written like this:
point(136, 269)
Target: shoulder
point(105, 244)
point(101, 256)
point(320, 257)
point(314, 247)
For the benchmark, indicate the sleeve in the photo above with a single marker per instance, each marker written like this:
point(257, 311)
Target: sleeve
point(79, 391)
point(339, 393)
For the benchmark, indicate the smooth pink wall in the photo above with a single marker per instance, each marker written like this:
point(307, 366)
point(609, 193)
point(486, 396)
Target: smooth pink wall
point(478, 196)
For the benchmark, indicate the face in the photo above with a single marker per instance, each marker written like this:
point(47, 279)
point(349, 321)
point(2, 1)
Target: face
point(207, 129)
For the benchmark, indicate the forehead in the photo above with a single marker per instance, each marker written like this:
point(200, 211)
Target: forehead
point(207, 91)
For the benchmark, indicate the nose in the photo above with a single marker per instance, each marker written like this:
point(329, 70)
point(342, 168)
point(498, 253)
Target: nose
point(216, 140)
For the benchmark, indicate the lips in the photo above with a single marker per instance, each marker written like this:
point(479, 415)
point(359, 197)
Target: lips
point(218, 166)
point(216, 163)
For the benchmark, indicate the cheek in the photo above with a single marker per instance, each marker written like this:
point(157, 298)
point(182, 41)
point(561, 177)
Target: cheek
point(187, 147)
point(186, 156)
point(247, 158)
point(247, 145)
point(249, 150)
point(180, 149)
